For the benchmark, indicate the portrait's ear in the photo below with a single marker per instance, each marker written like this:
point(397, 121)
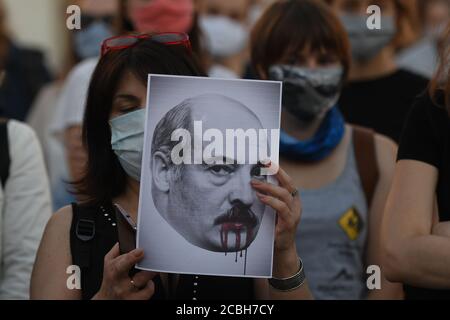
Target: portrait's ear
point(161, 172)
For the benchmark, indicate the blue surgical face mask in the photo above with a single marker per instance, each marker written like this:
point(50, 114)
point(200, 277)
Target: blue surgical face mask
point(127, 141)
point(367, 44)
point(225, 37)
point(88, 40)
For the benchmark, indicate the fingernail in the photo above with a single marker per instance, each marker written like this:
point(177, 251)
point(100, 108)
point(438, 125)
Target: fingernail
point(138, 253)
point(256, 182)
point(261, 196)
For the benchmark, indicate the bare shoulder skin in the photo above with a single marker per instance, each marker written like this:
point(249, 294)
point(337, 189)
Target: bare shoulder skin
point(49, 277)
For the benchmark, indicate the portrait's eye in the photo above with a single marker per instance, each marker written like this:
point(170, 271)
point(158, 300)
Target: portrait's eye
point(256, 172)
point(221, 170)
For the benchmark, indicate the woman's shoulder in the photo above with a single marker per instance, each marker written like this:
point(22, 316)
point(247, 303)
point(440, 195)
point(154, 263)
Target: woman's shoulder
point(381, 142)
point(64, 216)
point(20, 132)
point(56, 237)
point(384, 143)
point(57, 232)
point(61, 220)
point(24, 148)
point(430, 110)
point(386, 150)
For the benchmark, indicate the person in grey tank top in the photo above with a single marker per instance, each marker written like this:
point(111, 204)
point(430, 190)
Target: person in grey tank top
point(336, 262)
point(304, 45)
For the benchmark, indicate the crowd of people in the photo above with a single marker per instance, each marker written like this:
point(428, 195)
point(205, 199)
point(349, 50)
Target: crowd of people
point(364, 174)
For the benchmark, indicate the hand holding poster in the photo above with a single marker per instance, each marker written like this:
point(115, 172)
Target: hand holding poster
point(205, 140)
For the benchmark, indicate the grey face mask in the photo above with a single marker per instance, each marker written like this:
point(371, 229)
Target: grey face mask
point(308, 93)
point(366, 43)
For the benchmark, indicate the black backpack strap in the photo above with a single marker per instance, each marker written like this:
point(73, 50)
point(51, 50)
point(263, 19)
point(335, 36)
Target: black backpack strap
point(82, 234)
point(5, 159)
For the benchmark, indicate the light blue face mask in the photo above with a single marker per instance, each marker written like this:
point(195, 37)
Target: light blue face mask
point(127, 141)
point(366, 43)
point(88, 40)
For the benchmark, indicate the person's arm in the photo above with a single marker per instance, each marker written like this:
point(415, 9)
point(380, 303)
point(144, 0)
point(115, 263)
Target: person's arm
point(285, 261)
point(412, 254)
point(27, 208)
point(386, 152)
point(49, 279)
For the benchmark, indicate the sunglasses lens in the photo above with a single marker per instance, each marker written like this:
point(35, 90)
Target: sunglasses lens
point(128, 41)
point(169, 38)
point(121, 42)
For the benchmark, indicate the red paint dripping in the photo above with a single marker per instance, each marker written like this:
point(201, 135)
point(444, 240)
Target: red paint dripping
point(237, 229)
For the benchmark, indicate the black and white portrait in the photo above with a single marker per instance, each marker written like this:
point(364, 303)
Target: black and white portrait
point(205, 140)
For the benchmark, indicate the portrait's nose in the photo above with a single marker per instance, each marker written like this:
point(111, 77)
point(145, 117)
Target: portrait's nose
point(241, 190)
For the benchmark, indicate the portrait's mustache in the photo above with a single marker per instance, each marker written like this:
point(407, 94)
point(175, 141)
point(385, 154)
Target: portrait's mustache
point(238, 214)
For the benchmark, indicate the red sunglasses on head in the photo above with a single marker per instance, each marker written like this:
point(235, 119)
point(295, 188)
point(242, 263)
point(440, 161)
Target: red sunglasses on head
point(124, 42)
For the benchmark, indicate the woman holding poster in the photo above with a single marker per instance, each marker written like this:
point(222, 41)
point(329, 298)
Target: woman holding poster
point(343, 172)
point(84, 236)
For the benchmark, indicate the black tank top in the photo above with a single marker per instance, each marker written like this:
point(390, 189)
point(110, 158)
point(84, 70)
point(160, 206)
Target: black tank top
point(89, 254)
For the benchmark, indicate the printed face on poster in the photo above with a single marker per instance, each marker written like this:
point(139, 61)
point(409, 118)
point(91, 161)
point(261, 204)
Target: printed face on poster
point(205, 140)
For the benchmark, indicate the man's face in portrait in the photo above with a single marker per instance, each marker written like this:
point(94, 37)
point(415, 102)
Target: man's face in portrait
point(213, 206)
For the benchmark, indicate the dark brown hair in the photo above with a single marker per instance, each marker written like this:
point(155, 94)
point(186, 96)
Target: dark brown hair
point(441, 81)
point(287, 27)
point(104, 178)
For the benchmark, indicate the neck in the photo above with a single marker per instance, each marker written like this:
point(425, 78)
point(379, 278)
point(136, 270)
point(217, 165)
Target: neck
point(296, 129)
point(383, 64)
point(129, 200)
point(234, 63)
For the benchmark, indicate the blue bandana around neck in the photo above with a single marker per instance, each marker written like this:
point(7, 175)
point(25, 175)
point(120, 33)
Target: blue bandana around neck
point(326, 139)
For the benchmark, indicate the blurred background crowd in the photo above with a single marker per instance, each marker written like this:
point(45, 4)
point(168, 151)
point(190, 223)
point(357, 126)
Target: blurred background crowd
point(38, 53)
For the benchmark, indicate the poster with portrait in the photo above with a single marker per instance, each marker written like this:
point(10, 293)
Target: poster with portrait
point(205, 140)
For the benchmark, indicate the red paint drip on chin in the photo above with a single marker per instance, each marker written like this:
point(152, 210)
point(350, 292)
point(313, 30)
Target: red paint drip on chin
point(237, 228)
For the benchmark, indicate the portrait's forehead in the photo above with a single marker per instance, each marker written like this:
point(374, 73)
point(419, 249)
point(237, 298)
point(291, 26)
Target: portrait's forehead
point(221, 112)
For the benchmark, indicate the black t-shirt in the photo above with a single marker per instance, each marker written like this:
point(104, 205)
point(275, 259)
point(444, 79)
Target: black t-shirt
point(382, 104)
point(426, 138)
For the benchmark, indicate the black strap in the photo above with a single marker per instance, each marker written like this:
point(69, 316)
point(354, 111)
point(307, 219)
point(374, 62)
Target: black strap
point(5, 159)
point(84, 224)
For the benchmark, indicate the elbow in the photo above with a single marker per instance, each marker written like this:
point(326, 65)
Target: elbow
point(393, 261)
